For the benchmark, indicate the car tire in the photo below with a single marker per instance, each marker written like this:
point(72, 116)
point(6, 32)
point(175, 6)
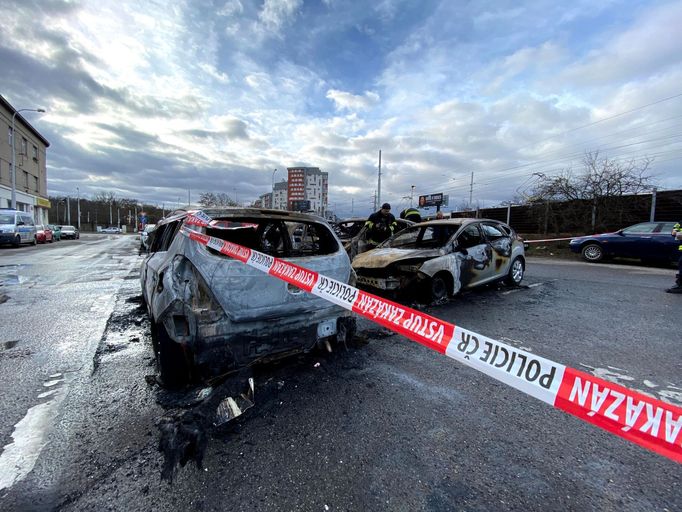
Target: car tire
point(17, 241)
point(436, 289)
point(171, 361)
point(516, 272)
point(35, 241)
point(592, 253)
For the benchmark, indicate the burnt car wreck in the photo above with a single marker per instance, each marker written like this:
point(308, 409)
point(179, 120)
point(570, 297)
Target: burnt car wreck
point(433, 260)
point(353, 234)
point(213, 316)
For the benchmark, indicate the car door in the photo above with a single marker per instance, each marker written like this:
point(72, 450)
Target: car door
point(158, 260)
point(476, 265)
point(634, 241)
point(501, 242)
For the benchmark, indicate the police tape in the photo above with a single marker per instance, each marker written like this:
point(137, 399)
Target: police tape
point(641, 419)
point(546, 240)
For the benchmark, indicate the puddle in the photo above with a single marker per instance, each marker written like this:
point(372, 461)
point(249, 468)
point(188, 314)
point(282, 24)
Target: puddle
point(30, 437)
point(6, 345)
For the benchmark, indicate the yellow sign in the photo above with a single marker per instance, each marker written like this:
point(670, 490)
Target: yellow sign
point(45, 203)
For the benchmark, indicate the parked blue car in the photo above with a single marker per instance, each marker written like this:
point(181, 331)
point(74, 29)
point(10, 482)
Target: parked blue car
point(648, 241)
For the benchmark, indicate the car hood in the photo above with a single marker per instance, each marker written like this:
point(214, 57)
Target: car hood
point(380, 258)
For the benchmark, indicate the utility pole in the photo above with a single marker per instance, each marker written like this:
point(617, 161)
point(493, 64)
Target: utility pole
point(471, 189)
point(375, 202)
point(68, 211)
point(411, 195)
point(351, 206)
point(378, 197)
point(78, 192)
point(111, 216)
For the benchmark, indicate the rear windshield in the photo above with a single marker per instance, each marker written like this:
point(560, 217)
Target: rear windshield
point(277, 237)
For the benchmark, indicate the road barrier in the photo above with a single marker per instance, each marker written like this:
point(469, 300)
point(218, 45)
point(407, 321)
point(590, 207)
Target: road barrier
point(641, 419)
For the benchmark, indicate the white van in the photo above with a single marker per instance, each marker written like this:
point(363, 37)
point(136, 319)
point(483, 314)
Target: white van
point(16, 227)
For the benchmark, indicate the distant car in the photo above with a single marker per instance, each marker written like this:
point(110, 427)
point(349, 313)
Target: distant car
point(112, 230)
point(438, 258)
point(43, 234)
point(647, 241)
point(56, 232)
point(353, 234)
point(212, 315)
point(144, 236)
point(70, 232)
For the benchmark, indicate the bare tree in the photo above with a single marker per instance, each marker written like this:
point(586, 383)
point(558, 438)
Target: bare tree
point(600, 186)
point(208, 199)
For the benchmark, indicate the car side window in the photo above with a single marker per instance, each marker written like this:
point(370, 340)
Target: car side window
point(644, 227)
point(470, 237)
point(163, 236)
point(493, 231)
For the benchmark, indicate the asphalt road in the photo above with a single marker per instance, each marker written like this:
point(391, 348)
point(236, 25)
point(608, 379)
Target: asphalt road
point(384, 425)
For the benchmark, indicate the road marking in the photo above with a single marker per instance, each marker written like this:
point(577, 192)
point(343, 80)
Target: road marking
point(534, 285)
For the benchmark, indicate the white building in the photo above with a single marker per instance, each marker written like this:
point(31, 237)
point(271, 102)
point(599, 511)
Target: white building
point(279, 199)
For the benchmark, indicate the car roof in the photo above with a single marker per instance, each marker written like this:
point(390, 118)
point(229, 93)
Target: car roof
point(227, 212)
point(460, 221)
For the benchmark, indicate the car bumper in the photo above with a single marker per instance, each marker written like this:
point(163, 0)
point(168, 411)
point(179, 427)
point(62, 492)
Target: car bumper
point(7, 238)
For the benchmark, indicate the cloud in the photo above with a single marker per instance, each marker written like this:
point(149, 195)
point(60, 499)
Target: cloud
point(276, 13)
point(345, 100)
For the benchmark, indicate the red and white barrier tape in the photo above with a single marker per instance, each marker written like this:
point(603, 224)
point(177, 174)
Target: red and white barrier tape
point(547, 240)
point(646, 421)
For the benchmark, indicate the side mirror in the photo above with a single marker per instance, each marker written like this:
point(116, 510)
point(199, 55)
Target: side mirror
point(620, 232)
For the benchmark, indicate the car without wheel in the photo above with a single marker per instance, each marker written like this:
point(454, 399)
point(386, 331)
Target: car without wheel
point(647, 241)
point(213, 315)
point(436, 259)
point(111, 230)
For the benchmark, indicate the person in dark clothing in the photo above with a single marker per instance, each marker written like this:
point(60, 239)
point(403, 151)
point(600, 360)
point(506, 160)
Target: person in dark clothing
point(380, 226)
point(411, 214)
point(677, 233)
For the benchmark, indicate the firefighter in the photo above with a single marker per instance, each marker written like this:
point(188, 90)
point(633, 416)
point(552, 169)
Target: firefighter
point(380, 226)
point(411, 214)
point(677, 233)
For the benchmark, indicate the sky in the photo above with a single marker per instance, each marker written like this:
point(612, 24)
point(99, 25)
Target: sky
point(163, 100)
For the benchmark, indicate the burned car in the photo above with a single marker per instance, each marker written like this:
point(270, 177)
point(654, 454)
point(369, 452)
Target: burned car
point(212, 315)
point(353, 234)
point(434, 259)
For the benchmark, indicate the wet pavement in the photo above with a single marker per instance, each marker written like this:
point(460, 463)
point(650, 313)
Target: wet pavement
point(382, 425)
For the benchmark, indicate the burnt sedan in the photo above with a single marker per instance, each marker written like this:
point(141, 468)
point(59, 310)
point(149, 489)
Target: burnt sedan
point(212, 315)
point(435, 259)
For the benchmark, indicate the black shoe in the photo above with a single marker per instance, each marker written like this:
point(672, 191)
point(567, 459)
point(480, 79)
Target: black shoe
point(675, 289)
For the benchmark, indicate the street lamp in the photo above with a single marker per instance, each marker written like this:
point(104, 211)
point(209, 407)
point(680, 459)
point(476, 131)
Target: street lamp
point(14, 158)
point(272, 194)
point(78, 192)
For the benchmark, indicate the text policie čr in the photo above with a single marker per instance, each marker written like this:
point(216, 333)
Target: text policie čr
point(337, 290)
point(505, 358)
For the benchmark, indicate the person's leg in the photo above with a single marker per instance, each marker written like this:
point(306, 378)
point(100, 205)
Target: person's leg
point(678, 279)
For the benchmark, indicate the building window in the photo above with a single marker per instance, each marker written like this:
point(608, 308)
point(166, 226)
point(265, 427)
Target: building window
point(35, 154)
point(24, 146)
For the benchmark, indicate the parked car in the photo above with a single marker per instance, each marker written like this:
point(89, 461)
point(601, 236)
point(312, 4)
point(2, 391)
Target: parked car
point(43, 234)
point(212, 315)
point(16, 227)
point(353, 234)
point(56, 231)
point(111, 230)
point(144, 236)
point(647, 241)
point(70, 232)
point(435, 259)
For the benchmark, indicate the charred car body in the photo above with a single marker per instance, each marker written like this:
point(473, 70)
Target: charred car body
point(212, 315)
point(353, 234)
point(439, 258)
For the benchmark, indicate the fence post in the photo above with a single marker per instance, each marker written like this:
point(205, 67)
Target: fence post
point(652, 215)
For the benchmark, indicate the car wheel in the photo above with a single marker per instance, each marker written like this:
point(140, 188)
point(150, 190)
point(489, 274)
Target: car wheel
point(17, 241)
point(515, 275)
point(436, 289)
point(35, 241)
point(592, 253)
point(171, 360)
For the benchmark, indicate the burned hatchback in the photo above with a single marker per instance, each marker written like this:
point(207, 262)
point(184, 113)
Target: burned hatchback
point(353, 234)
point(432, 260)
point(213, 315)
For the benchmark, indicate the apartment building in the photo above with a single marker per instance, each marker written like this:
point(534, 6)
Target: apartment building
point(30, 149)
point(279, 196)
point(308, 184)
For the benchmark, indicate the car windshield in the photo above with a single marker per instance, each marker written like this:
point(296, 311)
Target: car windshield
point(69, 227)
point(422, 237)
point(645, 227)
point(6, 219)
